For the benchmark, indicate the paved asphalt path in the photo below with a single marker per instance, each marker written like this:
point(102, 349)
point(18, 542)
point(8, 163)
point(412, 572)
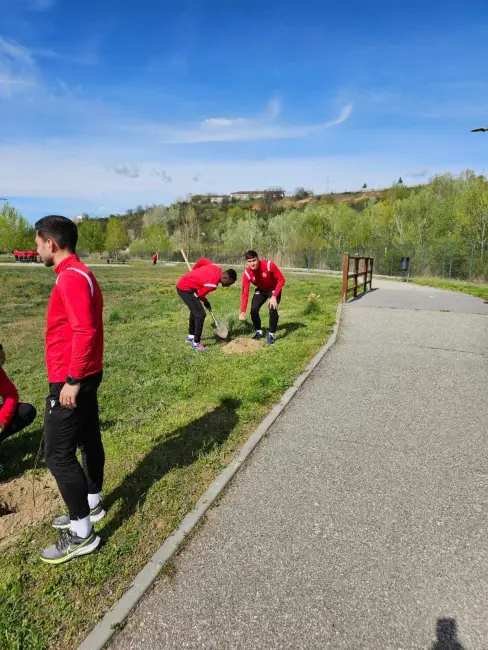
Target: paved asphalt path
point(360, 522)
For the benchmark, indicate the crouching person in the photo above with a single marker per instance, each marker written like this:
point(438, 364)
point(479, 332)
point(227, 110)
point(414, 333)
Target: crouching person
point(14, 415)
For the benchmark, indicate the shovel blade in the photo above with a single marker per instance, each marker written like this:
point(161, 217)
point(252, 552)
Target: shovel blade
point(221, 330)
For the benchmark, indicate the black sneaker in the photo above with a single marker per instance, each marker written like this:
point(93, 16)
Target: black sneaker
point(258, 336)
point(69, 546)
point(64, 522)
point(270, 339)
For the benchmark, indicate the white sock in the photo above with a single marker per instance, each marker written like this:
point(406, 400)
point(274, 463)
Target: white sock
point(81, 527)
point(93, 500)
point(259, 331)
point(272, 335)
point(191, 336)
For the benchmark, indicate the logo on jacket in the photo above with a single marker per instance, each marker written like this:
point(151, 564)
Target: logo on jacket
point(264, 274)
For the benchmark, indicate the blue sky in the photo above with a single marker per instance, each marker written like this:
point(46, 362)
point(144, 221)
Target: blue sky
point(105, 105)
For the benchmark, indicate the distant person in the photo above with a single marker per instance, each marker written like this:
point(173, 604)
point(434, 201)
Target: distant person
point(269, 282)
point(14, 416)
point(155, 259)
point(16, 255)
point(193, 288)
point(74, 351)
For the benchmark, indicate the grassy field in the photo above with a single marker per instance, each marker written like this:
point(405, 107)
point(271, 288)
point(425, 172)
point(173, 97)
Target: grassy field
point(473, 288)
point(171, 420)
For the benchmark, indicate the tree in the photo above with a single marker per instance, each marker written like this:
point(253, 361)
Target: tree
point(243, 234)
point(15, 232)
point(400, 181)
point(302, 193)
point(156, 238)
point(154, 216)
point(90, 236)
point(116, 238)
point(365, 186)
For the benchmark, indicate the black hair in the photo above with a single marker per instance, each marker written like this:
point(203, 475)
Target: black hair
point(61, 229)
point(250, 255)
point(232, 274)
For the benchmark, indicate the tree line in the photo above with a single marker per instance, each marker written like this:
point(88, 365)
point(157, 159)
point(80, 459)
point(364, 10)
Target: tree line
point(448, 211)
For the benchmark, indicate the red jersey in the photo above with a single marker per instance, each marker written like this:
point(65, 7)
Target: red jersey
point(10, 398)
point(74, 333)
point(203, 279)
point(266, 277)
point(154, 257)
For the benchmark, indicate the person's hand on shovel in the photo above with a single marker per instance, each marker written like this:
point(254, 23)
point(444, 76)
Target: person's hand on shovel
point(242, 315)
point(207, 304)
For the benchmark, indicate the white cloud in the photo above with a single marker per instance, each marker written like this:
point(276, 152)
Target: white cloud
point(130, 171)
point(17, 69)
point(219, 121)
point(83, 175)
point(273, 108)
point(242, 129)
point(162, 175)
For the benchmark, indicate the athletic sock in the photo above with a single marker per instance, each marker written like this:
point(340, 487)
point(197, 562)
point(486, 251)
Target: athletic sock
point(259, 331)
point(93, 500)
point(271, 334)
point(191, 336)
point(81, 527)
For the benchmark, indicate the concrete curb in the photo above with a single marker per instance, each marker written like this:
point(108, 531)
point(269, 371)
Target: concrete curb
point(106, 628)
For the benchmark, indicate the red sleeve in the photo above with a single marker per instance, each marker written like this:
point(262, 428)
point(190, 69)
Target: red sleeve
point(78, 301)
point(10, 397)
point(246, 283)
point(202, 262)
point(212, 279)
point(279, 276)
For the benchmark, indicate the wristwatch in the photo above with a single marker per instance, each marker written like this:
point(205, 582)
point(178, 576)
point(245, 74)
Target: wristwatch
point(72, 381)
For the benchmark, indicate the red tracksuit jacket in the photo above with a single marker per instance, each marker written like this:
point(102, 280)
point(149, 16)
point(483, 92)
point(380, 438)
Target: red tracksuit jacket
point(203, 279)
point(267, 277)
point(74, 333)
point(10, 398)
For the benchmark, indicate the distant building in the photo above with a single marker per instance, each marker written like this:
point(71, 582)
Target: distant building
point(81, 217)
point(218, 198)
point(249, 195)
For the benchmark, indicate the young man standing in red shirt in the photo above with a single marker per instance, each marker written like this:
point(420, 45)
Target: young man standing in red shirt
point(74, 352)
point(14, 416)
point(269, 282)
point(193, 288)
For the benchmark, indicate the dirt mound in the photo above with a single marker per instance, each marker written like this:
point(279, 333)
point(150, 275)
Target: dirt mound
point(242, 346)
point(17, 508)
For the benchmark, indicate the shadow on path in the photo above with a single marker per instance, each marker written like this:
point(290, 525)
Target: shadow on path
point(447, 635)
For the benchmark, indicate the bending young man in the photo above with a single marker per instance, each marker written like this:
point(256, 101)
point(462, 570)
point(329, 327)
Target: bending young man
point(269, 281)
point(74, 351)
point(193, 288)
point(14, 416)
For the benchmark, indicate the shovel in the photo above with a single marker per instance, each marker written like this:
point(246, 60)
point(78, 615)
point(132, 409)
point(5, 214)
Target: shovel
point(221, 329)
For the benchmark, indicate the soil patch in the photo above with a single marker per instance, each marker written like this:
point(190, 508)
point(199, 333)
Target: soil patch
point(242, 345)
point(17, 508)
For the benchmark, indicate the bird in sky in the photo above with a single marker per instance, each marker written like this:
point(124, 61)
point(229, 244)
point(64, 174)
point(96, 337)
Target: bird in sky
point(481, 128)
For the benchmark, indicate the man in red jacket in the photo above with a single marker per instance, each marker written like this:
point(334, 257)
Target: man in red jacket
point(14, 416)
point(193, 288)
point(154, 259)
point(269, 282)
point(74, 353)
